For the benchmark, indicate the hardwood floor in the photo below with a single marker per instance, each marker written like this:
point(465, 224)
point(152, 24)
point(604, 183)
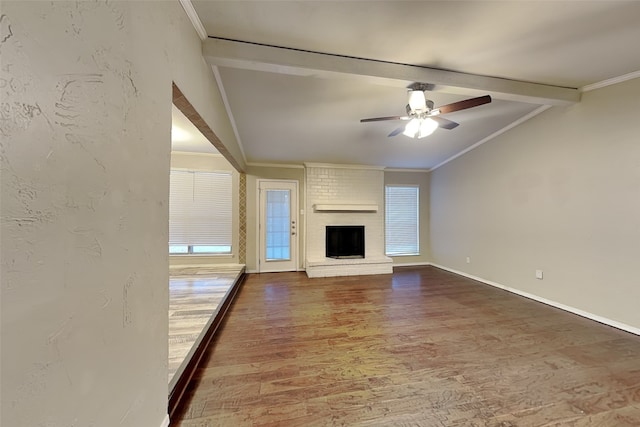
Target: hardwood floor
point(194, 296)
point(421, 347)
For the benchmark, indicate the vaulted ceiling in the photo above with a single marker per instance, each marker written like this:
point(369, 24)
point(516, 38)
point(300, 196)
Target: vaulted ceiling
point(299, 76)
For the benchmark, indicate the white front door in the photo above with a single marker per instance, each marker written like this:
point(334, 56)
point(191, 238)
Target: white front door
point(278, 226)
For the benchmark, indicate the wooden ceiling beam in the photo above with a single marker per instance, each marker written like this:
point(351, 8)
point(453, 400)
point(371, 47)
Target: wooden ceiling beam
point(244, 55)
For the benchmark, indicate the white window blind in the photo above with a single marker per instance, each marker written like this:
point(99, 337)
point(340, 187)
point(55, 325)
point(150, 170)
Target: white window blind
point(200, 210)
point(401, 220)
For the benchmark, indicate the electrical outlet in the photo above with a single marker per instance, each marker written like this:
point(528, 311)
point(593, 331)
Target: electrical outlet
point(468, 260)
point(539, 274)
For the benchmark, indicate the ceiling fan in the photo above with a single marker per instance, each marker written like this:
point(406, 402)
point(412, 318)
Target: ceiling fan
point(423, 118)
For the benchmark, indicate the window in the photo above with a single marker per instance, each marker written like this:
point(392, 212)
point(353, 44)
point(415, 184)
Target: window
point(401, 220)
point(200, 212)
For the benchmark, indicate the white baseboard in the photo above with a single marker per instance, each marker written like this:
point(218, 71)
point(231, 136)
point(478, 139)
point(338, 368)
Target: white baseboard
point(582, 313)
point(221, 266)
point(165, 422)
point(256, 271)
point(591, 316)
point(411, 264)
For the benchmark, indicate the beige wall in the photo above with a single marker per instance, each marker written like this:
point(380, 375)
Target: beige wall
point(560, 193)
point(258, 172)
point(210, 163)
point(420, 179)
point(85, 185)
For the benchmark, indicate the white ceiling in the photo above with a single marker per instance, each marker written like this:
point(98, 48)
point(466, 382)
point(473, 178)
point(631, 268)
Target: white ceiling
point(185, 137)
point(292, 106)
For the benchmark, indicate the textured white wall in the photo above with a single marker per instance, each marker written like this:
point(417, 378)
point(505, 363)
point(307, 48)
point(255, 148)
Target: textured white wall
point(560, 193)
point(344, 185)
point(85, 126)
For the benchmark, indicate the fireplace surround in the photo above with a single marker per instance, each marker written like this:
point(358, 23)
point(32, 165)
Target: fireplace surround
point(344, 195)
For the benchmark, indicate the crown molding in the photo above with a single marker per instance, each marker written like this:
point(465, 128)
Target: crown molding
point(196, 153)
point(227, 107)
point(275, 165)
point(406, 170)
point(495, 134)
point(341, 166)
point(611, 81)
point(194, 18)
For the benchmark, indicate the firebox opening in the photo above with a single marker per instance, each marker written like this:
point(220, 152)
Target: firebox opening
point(345, 241)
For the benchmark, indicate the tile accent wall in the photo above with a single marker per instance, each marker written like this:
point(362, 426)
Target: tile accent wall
point(242, 243)
point(339, 185)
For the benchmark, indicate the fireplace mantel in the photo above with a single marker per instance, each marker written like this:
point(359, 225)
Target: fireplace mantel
point(345, 207)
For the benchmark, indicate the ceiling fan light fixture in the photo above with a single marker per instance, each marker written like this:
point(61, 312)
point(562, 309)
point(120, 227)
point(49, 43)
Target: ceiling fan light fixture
point(412, 128)
point(427, 127)
point(420, 110)
point(417, 101)
point(419, 128)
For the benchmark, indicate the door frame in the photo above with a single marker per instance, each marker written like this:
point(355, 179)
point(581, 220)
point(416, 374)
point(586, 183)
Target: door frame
point(295, 246)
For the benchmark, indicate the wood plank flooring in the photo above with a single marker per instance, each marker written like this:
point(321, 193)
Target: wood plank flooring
point(421, 347)
point(194, 296)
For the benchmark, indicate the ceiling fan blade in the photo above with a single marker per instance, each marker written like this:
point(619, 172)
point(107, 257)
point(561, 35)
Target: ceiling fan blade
point(396, 131)
point(379, 119)
point(444, 123)
point(463, 105)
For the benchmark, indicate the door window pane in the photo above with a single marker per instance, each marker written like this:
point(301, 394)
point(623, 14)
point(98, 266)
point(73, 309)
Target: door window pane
point(278, 225)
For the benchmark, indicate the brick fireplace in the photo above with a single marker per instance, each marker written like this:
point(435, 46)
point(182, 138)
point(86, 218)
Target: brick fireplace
point(345, 195)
